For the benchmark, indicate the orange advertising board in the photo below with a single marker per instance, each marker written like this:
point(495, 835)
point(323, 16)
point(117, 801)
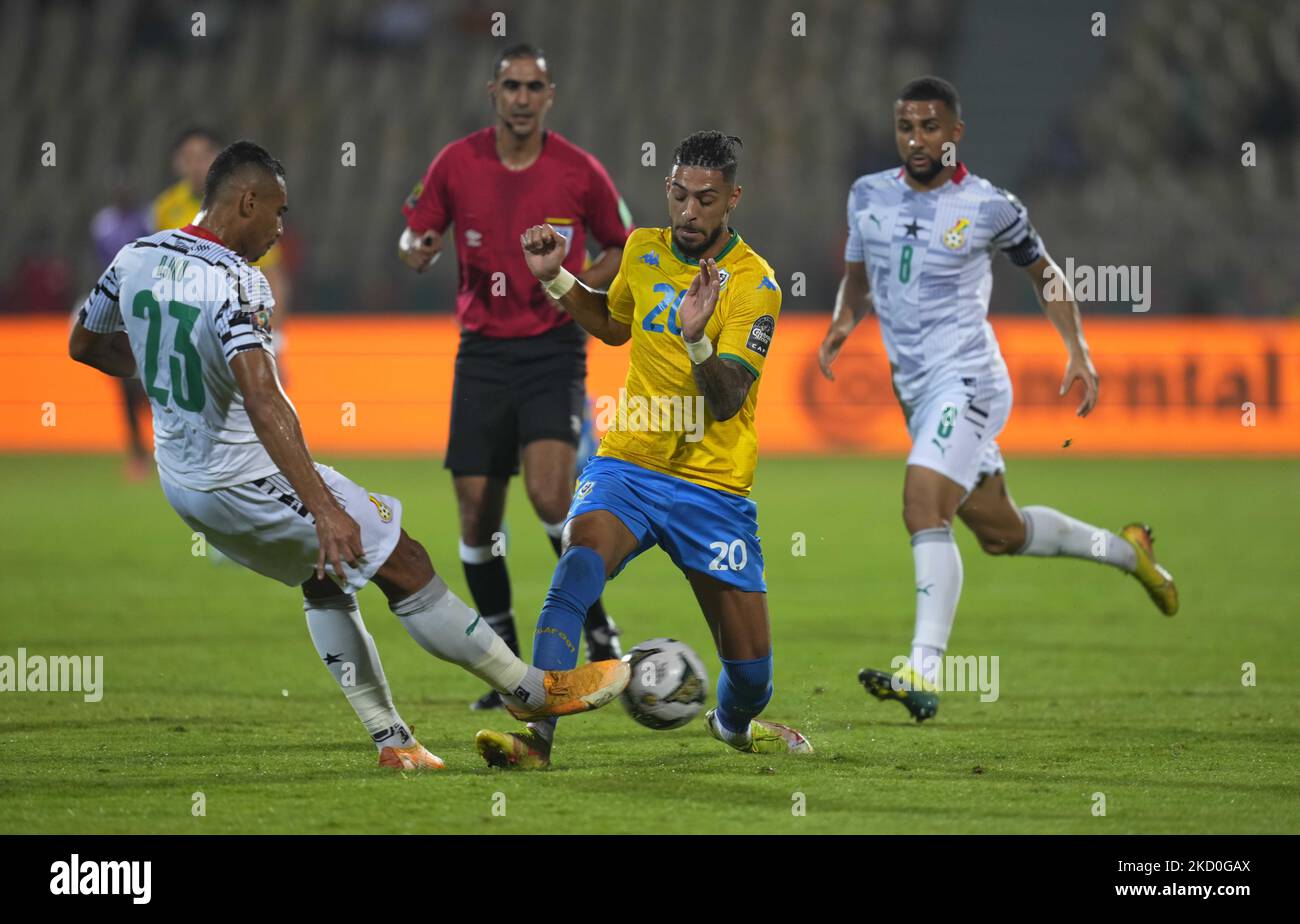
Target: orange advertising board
point(383, 385)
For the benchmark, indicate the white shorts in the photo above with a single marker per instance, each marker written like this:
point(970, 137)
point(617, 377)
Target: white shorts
point(953, 428)
point(265, 527)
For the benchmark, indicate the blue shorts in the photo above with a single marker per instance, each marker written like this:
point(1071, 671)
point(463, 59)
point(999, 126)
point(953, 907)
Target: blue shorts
point(701, 529)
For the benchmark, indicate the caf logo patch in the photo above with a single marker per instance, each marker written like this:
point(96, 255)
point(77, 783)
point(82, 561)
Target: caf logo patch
point(414, 197)
point(564, 228)
point(583, 490)
point(385, 512)
point(760, 335)
point(955, 236)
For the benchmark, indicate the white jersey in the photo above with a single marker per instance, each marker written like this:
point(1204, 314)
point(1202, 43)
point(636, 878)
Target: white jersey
point(929, 261)
point(190, 304)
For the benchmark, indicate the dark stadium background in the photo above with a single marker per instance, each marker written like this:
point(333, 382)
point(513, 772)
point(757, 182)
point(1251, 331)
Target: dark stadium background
point(1126, 148)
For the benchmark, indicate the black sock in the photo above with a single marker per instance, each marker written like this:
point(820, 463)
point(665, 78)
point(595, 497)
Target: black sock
point(597, 618)
point(489, 587)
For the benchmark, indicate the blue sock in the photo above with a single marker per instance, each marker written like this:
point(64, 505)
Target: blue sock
point(578, 582)
point(744, 688)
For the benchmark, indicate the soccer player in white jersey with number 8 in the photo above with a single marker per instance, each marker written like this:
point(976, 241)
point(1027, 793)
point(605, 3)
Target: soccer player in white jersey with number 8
point(920, 249)
point(185, 307)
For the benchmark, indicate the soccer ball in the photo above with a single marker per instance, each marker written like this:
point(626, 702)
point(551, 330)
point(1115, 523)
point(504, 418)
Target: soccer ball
point(669, 684)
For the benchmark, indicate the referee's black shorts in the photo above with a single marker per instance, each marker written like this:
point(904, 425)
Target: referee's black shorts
point(510, 392)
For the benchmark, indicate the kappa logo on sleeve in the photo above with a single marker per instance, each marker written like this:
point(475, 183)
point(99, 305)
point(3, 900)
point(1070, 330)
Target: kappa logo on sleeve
point(760, 335)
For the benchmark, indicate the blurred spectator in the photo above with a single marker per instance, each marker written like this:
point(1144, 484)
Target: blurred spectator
point(120, 222)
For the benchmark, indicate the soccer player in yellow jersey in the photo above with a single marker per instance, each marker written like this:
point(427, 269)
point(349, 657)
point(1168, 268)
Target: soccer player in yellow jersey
point(675, 469)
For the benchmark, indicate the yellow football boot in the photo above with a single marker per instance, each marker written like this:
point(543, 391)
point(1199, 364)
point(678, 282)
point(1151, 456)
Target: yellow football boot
point(524, 750)
point(920, 698)
point(1158, 582)
point(764, 737)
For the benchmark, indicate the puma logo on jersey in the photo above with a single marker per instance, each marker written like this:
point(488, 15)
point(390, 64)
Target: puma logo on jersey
point(473, 238)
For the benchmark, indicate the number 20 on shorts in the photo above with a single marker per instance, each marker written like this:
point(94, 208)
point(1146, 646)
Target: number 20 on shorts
point(731, 556)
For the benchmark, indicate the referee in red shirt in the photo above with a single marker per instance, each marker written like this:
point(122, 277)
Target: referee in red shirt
point(521, 368)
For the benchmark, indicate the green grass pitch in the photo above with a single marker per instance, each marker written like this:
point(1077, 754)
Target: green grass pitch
point(211, 684)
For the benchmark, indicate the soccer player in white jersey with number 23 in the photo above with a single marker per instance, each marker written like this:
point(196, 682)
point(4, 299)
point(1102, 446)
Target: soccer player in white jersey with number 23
point(185, 307)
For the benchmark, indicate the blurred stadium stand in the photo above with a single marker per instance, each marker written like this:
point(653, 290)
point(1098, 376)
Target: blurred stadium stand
point(1135, 159)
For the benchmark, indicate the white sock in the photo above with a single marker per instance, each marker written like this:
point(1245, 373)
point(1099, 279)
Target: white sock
point(349, 653)
point(446, 627)
point(736, 739)
point(925, 660)
point(1051, 533)
point(938, 588)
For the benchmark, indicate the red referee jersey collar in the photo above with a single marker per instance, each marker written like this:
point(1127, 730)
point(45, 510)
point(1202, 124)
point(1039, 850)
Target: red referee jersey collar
point(957, 175)
point(205, 234)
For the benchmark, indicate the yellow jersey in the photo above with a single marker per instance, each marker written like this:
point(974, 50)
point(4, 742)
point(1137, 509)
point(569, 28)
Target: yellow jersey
point(176, 207)
point(662, 422)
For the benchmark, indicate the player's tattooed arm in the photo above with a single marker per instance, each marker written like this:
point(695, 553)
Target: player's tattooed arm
point(724, 385)
point(544, 254)
point(110, 353)
point(852, 304)
point(276, 424)
point(1058, 304)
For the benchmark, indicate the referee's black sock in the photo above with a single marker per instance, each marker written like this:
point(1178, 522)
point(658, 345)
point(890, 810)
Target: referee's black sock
point(597, 618)
point(489, 586)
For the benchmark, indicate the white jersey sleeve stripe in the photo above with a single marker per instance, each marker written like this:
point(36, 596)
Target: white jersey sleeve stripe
point(854, 251)
point(240, 330)
point(101, 312)
point(1017, 238)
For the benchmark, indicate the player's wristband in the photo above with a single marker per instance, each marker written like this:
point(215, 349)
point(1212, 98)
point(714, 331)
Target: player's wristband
point(700, 350)
point(560, 284)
